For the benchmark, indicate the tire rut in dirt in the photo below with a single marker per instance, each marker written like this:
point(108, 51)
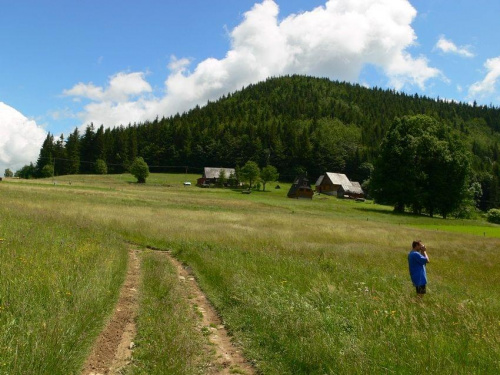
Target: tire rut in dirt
point(113, 348)
point(228, 359)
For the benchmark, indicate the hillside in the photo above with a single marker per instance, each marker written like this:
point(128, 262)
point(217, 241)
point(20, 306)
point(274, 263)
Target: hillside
point(295, 123)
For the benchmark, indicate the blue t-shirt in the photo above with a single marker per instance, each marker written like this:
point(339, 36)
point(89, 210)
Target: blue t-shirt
point(416, 263)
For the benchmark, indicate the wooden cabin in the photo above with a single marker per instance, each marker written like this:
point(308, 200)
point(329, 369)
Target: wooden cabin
point(301, 188)
point(211, 175)
point(337, 184)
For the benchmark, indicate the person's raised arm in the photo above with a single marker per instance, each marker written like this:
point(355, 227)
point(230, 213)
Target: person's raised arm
point(423, 251)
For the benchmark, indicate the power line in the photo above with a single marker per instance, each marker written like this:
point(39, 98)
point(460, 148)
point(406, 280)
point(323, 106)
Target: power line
point(120, 165)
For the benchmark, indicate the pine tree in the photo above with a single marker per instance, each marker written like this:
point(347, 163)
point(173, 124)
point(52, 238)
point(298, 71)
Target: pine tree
point(46, 154)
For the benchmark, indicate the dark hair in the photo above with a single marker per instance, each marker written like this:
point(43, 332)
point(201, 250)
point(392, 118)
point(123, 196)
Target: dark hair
point(415, 243)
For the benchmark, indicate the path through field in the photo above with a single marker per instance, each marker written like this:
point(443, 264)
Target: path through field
point(227, 359)
point(112, 351)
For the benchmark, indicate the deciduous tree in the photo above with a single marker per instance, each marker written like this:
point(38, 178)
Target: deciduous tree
point(101, 167)
point(139, 170)
point(422, 166)
point(250, 172)
point(268, 174)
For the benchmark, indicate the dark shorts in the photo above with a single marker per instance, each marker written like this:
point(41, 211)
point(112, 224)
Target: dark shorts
point(421, 289)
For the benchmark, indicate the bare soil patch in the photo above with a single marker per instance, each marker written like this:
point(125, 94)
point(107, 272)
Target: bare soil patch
point(112, 350)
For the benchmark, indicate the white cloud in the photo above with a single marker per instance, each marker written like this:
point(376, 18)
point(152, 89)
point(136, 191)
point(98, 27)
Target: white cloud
point(178, 65)
point(335, 40)
point(490, 82)
point(123, 101)
point(447, 46)
point(121, 87)
point(20, 139)
point(88, 91)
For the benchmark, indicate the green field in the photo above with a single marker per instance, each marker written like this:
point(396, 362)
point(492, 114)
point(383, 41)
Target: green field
point(305, 287)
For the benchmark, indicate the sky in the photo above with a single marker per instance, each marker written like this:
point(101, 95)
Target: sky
point(67, 63)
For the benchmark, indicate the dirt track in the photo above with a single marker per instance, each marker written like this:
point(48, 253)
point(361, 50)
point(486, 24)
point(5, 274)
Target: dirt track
point(227, 359)
point(112, 351)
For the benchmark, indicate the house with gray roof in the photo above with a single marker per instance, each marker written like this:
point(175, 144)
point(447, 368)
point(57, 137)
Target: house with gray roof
point(211, 175)
point(337, 184)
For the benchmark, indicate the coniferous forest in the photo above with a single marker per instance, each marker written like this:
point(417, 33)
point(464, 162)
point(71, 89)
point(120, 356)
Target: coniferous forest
point(298, 124)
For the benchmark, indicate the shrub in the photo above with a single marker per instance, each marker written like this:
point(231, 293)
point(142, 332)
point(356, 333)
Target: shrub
point(101, 167)
point(47, 171)
point(493, 216)
point(140, 170)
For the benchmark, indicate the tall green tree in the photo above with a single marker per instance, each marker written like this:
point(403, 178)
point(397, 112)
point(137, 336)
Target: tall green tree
point(46, 154)
point(422, 166)
point(88, 150)
point(268, 174)
point(60, 157)
point(222, 178)
point(250, 172)
point(100, 144)
point(73, 152)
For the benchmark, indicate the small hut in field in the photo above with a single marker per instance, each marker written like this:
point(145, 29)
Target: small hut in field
point(337, 184)
point(301, 188)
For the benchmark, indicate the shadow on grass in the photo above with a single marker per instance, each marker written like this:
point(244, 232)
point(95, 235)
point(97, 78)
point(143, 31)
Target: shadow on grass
point(387, 212)
point(246, 191)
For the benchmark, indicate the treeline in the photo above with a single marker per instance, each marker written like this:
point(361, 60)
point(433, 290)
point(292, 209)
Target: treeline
point(296, 123)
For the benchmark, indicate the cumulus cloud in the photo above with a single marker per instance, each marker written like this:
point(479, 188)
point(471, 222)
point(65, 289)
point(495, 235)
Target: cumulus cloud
point(447, 46)
point(178, 65)
point(490, 82)
point(121, 102)
point(335, 40)
point(20, 139)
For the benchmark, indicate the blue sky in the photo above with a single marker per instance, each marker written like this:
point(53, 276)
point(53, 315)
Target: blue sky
point(66, 63)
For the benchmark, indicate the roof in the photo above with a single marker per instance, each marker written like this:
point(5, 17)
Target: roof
point(301, 182)
point(320, 180)
point(339, 179)
point(210, 172)
point(355, 188)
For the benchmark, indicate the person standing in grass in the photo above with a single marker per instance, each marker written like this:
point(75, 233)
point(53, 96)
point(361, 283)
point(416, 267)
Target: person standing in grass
point(417, 259)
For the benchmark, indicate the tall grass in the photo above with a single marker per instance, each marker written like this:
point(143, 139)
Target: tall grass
point(351, 309)
point(307, 287)
point(168, 341)
point(58, 281)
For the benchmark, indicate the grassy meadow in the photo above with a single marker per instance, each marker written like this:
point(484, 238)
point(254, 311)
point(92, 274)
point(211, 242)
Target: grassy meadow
point(305, 287)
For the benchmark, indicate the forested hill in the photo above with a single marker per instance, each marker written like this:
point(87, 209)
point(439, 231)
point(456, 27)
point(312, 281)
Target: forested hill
point(295, 123)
